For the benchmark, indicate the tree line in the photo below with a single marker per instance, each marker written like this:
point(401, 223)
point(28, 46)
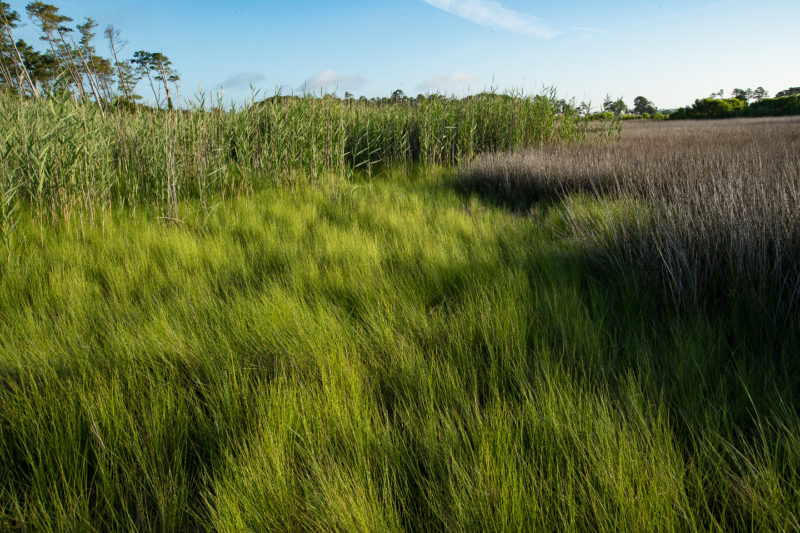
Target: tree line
point(742, 103)
point(70, 62)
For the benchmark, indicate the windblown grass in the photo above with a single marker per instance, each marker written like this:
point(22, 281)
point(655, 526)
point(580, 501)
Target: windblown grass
point(718, 216)
point(390, 356)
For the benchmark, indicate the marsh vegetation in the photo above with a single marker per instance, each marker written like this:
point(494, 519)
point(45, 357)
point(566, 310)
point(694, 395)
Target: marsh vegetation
point(706, 211)
point(454, 315)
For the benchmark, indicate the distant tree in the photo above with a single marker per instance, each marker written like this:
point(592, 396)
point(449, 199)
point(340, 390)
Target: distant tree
point(105, 75)
point(775, 107)
point(126, 75)
point(718, 95)
point(743, 94)
point(94, 67)
point(711, 108)
point(165, 74)
point(8, 61)
point(12, 61)
point(788, 92)
point(564, 106)
point(70, 62)
point(40, 65)
point(759, 94)
point(156, 67)
point(642, 105)
point(617, 106)
point(398, 96)
point(142, 64)
point(54, 30)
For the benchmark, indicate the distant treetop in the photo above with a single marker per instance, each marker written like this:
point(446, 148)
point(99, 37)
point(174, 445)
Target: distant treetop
point(788, 92)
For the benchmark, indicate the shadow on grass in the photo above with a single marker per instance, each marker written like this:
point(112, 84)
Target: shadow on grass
point(393, 342)
point(726, 369)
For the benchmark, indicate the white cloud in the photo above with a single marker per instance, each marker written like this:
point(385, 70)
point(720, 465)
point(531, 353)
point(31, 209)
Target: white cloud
point(243, 79)
point(332, 79)
point(494, 15)
point(460, 77)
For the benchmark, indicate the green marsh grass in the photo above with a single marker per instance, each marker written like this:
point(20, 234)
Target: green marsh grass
point(390, 355)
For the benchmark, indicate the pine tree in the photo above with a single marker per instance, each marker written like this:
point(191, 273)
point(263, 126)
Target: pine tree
point(10, 57)
point(156, 67)
point(53, 27)
point(126, 75)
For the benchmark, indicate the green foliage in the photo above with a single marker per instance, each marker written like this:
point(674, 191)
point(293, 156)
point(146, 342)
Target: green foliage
point(14, 55)
point(47, 16)
point(156, 67)
point(642, 105)
point(774, 107)
point(759, 94)
point(742, 94)
point(746, 95)
point(126, 76)
point(617, 107)
point(70, 63)
point(788, 92)
point(711, 108)
point(41, 66)
point(737, 107)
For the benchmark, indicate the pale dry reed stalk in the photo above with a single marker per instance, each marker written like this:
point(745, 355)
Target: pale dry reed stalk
point(722, 215)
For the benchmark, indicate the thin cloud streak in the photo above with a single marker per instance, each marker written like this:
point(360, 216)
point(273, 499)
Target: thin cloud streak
point(460, 77)
point(494, 15)
point(243, 79)
point(331, 78)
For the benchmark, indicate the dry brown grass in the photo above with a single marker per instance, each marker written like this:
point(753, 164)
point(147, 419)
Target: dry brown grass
point(723, 220)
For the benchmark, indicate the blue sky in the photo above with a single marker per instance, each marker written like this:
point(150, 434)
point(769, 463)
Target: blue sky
point(670, 52)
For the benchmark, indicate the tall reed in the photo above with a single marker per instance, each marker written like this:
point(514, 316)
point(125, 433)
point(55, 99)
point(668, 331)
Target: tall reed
point(61, 156)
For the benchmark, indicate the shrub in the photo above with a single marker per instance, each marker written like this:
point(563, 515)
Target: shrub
point(773, 107)
point(716, 108)
point(735, 107)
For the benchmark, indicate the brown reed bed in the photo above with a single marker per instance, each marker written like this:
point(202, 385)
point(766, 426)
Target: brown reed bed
point(714, 206)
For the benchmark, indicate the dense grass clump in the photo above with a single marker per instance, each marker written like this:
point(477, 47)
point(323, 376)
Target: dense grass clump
point(709, 211)
point(389, 356)
point(68, 159)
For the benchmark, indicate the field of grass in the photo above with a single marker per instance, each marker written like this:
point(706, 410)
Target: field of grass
point(425, 349)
